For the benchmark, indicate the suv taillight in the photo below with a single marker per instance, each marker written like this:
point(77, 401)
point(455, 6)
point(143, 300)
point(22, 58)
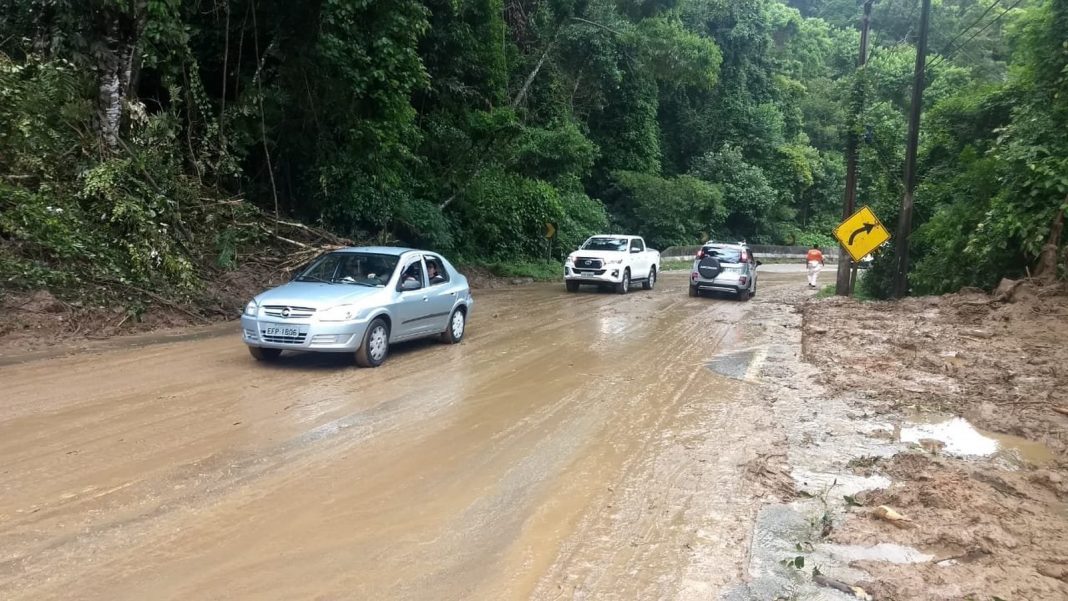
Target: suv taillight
point(701, 254)
point(694, 276)
point(743, 280)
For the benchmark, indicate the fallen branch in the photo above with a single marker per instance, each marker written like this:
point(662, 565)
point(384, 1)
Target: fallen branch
point(1061, 410)
point(838, 585)
point(155, 297)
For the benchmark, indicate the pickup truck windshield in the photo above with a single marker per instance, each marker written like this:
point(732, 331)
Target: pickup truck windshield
point(609, 244)
point(364, 269)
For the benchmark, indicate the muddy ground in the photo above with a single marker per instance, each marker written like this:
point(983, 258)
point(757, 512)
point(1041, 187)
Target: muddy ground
point(586, 446)
point(989, 507)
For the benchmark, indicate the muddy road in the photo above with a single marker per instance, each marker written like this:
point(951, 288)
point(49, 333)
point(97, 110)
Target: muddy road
point(575, 446)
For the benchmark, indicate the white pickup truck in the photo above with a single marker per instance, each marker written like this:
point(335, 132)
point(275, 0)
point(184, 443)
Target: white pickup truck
point(615, 261)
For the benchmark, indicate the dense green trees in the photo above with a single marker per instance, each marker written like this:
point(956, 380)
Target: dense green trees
point(465, 125)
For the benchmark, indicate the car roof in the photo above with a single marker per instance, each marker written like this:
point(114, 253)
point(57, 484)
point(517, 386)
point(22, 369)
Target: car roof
point(379, 250)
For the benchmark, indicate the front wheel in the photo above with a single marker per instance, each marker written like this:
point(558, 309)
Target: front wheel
point(264, 354)
point(651, 280)
point(623, 286)
point(572, 286)
point(457, 324)
point(375, 347)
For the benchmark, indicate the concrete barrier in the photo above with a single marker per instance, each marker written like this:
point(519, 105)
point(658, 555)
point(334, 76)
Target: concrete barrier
point(760, 251)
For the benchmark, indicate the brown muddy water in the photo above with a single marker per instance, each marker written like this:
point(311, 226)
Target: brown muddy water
point(574, 446)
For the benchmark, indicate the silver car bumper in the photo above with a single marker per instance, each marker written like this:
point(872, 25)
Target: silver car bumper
point(303, 335)
point(722, 283)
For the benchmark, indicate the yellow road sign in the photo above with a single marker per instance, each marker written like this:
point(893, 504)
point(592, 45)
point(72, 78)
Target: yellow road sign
point(550, 230)
point(861, 233)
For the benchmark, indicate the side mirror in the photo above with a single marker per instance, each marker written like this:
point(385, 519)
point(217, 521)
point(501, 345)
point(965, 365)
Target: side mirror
point(759, 263)
point(408, 285)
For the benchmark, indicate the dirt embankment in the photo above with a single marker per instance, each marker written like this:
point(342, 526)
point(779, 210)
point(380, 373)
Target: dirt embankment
point(996, 525)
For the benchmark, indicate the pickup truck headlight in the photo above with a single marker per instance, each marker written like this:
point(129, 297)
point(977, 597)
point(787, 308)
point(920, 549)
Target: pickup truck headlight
point(613, 261)
point(251, 308)
point(339, 313)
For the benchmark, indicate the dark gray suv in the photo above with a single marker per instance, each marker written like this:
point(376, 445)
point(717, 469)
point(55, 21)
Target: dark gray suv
point(722, 267)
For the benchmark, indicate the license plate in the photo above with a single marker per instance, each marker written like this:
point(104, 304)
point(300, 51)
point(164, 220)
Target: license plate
point(281, 331)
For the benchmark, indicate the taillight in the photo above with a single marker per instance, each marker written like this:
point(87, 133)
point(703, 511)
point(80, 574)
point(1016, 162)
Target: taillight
point(743, 280)
point(701, 254)
point(694, 276)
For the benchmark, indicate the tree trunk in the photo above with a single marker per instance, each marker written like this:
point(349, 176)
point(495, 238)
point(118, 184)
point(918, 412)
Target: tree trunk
point(117, 60)
point(1047, 258)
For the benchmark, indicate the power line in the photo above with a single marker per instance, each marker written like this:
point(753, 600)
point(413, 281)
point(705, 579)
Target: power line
point(946, 57)
point(961, 33)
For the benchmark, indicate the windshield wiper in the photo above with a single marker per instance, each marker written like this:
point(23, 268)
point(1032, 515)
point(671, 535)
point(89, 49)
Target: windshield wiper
point(315, 278)
point(356, 282)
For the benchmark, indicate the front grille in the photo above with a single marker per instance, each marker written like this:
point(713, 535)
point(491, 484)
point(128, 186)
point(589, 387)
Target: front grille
point(588, 263)
point(298, 339)
point(288, 312)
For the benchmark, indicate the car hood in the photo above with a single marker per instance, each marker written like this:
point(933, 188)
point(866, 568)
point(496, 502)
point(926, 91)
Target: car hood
point(599, 254)
point(317, 295)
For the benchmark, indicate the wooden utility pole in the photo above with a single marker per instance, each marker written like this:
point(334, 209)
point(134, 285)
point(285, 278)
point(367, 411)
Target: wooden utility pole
point(842, 284)
point(904, 222)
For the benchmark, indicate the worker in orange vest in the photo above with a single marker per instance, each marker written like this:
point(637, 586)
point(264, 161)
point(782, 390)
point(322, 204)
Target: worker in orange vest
point(815, 264)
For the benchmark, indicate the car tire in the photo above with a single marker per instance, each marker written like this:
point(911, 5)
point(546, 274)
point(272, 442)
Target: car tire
point(571, 286)
point(375, 346)
point(650, 282)
point(454, 332)
point(694, 292)
point(752, 292)
point(743, 295)
point(260, 353)
point(623, 287)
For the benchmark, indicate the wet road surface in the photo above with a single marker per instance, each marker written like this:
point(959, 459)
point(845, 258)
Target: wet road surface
point(575, 446)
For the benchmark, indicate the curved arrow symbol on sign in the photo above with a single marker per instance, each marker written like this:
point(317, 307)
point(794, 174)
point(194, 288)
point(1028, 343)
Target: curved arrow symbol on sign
point(866, 228)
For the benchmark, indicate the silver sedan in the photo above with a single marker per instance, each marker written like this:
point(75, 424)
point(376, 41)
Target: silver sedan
point(360, 300)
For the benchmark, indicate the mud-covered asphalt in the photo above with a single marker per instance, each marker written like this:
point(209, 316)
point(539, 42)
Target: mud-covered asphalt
point(574, 446)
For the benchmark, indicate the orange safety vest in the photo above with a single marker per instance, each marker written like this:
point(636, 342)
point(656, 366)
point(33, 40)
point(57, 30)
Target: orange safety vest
point(815, 255)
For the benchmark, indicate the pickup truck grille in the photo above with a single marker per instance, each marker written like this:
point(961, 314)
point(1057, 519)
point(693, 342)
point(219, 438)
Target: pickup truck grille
point(288, 312)
point(588, 263)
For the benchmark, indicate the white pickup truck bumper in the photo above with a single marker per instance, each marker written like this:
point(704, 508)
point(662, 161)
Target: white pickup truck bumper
point(609, 274)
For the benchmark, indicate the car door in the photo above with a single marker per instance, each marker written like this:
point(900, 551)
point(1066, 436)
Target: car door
point(411, 307)
point(441, 291)
point(639, 261)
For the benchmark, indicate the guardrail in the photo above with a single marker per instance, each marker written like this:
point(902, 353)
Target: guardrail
point(759, 251)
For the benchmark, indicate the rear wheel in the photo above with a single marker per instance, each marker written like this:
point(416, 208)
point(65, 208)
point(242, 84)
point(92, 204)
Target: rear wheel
point(693, 291)
point(572, 286)
point(651, 280)
point(455, 331)
point(743, 295)
point(375, 347)
point(623, 286)
point(264, 354)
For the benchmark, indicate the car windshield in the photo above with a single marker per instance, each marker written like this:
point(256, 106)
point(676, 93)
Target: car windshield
point(609, 244)
point(364, 269)
point(724, 255)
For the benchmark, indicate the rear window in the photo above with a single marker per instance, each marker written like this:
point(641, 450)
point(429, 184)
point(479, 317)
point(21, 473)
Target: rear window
point(724, 255)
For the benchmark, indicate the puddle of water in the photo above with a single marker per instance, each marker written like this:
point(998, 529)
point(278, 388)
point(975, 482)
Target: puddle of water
point(888, 552)
point(963, 439)
point(825, 483)
point(738, 365)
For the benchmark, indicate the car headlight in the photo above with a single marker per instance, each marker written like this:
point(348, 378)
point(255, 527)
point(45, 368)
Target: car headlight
point(613, 261)
point(251, 308)
point(339, 313)
point(570, 261)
